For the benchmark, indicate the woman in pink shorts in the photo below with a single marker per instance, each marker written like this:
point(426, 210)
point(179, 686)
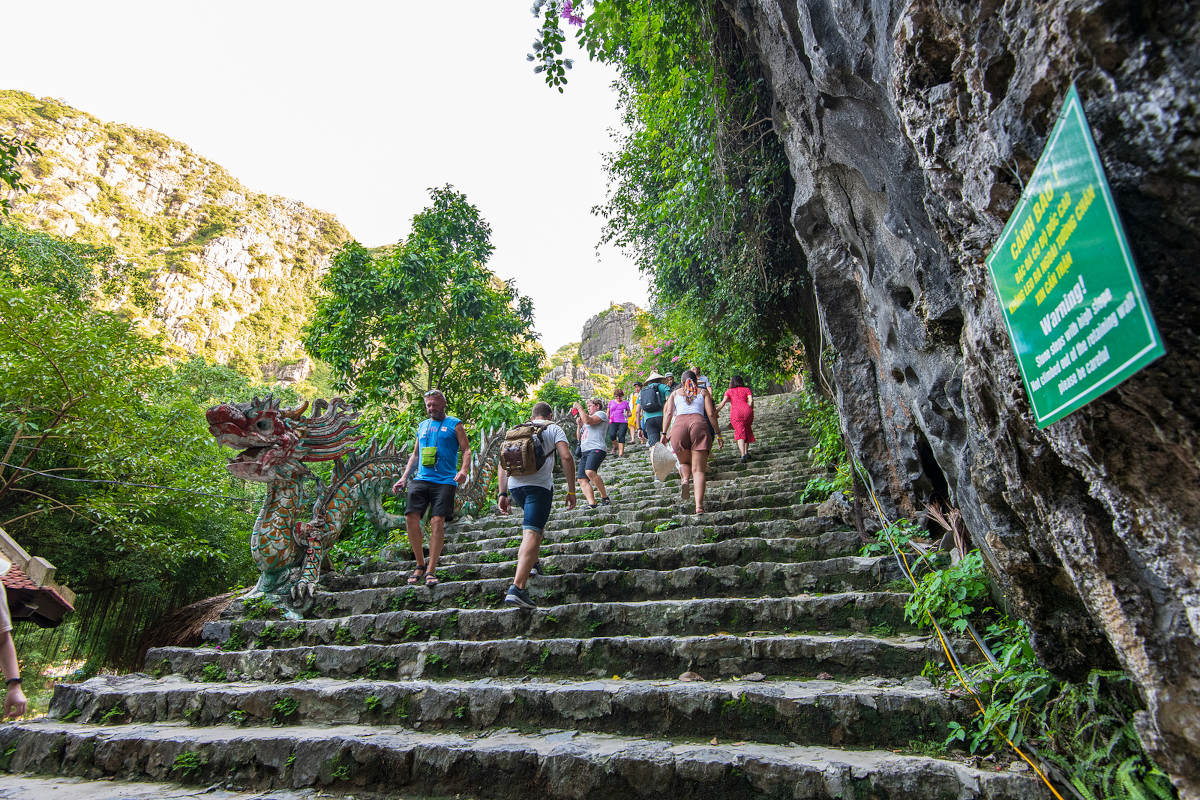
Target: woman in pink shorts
point(686, 417)
point(740, 400)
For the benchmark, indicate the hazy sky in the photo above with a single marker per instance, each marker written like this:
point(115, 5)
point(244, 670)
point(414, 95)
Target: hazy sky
point(357, 108)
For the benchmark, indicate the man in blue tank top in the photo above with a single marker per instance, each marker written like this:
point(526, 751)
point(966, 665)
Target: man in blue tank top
point(435, 454)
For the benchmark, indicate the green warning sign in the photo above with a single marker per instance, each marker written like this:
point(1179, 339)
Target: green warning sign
point(1071, 297)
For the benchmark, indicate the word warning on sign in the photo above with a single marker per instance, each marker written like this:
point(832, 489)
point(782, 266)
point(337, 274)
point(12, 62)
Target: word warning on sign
point(1069, 291)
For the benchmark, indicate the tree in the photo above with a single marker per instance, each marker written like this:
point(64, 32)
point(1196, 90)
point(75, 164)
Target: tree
point(700, 193)
point(425, 313)
point(11, 151)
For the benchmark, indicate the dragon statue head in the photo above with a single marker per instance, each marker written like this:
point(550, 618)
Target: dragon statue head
point(275, 442)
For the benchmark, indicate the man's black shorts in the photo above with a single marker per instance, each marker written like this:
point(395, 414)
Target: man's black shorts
point(438, 496)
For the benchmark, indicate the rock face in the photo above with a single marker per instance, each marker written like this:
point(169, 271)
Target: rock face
point(230, 272)
point(608, 339)
point(611, 333)
point(909, 127)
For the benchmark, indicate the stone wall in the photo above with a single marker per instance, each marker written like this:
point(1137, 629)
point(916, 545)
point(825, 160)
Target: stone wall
point(909, 127)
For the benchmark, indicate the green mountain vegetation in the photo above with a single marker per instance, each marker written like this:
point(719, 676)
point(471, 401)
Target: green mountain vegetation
point(218, 270)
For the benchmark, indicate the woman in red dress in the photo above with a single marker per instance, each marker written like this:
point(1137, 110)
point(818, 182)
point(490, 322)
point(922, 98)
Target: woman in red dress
point(741, 413)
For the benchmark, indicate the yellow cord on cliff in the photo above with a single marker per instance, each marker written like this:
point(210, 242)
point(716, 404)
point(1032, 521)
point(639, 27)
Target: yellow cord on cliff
point(950, 658)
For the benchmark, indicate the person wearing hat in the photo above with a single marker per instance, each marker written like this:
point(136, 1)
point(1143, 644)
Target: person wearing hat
point(651, 402)
point(440, 439)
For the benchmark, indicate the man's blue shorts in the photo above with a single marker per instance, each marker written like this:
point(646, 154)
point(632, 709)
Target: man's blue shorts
point(536, 502)
point(589, 459)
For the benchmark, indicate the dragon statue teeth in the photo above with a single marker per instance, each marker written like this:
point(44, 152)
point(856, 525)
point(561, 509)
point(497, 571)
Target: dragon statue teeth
point(275, 444)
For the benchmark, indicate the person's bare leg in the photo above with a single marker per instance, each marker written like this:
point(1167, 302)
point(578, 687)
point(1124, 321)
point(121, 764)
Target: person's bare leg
point(685, 471)
point(586, 485)
point(527, 556)
point(620, 449)
point(594, 477)
point(741, 443)
point(699, 477)
point(437, 537)
point(412, 524)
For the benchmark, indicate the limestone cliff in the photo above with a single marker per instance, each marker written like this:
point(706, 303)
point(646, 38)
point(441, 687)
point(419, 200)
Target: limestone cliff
point(909, 126)
point(231, 272)
point(608, 340)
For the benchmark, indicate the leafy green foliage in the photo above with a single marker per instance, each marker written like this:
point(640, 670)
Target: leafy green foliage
point(901, 532)
point(1085, 729)
point(11, 151)
point(426, 313)
point(950, 595)
point(700, 192)
point(108, 469)
point(819, 418)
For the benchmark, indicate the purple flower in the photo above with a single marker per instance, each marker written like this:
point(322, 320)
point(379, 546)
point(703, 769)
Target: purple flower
point(570, 16)
point(674, 358)
point(657, 350)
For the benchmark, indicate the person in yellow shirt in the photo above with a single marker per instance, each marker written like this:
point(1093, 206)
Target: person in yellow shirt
point(636, 417)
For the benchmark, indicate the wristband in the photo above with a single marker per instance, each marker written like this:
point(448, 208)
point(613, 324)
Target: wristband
point(504, 494)
point(11, 681)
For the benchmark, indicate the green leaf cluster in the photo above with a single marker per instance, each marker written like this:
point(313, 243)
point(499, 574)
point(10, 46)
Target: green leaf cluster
point(107, 468)
point(425, 313)
point(1085, 729)
point(700, 192)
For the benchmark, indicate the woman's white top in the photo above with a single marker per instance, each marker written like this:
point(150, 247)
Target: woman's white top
point(682, 406)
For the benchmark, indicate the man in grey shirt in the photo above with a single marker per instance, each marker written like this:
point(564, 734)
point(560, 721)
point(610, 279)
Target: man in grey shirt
point(593, 446)
point(535, 495)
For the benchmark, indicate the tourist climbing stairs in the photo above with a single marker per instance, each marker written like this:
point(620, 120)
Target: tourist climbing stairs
point(747, 652)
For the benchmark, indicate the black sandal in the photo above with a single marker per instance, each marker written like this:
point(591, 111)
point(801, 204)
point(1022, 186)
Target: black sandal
point(416, 576)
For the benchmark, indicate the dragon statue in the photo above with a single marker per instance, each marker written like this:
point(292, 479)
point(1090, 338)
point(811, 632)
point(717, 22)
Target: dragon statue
point(302, 516)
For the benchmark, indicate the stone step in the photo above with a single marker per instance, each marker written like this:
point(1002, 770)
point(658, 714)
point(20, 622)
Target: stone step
point(878, 612)
point(500, 765)
point(730, 551)
point(26, 787)
point(815, 536)
point(715, 656)
point(680, 528)
point(877, 712)
point(761, 578)
point(649, 517)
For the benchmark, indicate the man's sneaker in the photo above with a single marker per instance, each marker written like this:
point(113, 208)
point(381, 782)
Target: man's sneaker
point(533, 571)
point(519, 598)
point(604, 501)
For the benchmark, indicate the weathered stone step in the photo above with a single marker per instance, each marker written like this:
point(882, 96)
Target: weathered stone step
point(28, 787)
point(732, 509)
point(878, 612)
point(757, 578)
point(724, 553)
point(715, 656)
point(878, 712)
point(501, 765)
point(820, 537)
point(711, 528)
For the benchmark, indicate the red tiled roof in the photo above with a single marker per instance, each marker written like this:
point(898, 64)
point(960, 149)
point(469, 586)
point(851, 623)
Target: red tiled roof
point(16, 580)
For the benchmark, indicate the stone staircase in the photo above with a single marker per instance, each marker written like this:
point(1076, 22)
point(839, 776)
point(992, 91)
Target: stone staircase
point(803, 675)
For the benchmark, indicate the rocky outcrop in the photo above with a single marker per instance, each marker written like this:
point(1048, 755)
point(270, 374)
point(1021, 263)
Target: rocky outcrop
point(608, 339)
point(231, 272)
point(909, 127)
point(610, 334)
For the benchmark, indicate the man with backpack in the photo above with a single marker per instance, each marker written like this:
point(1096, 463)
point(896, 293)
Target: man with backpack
point(651, 401)
point(526, 478)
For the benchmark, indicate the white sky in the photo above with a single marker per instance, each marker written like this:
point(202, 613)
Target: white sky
point(357, 108)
